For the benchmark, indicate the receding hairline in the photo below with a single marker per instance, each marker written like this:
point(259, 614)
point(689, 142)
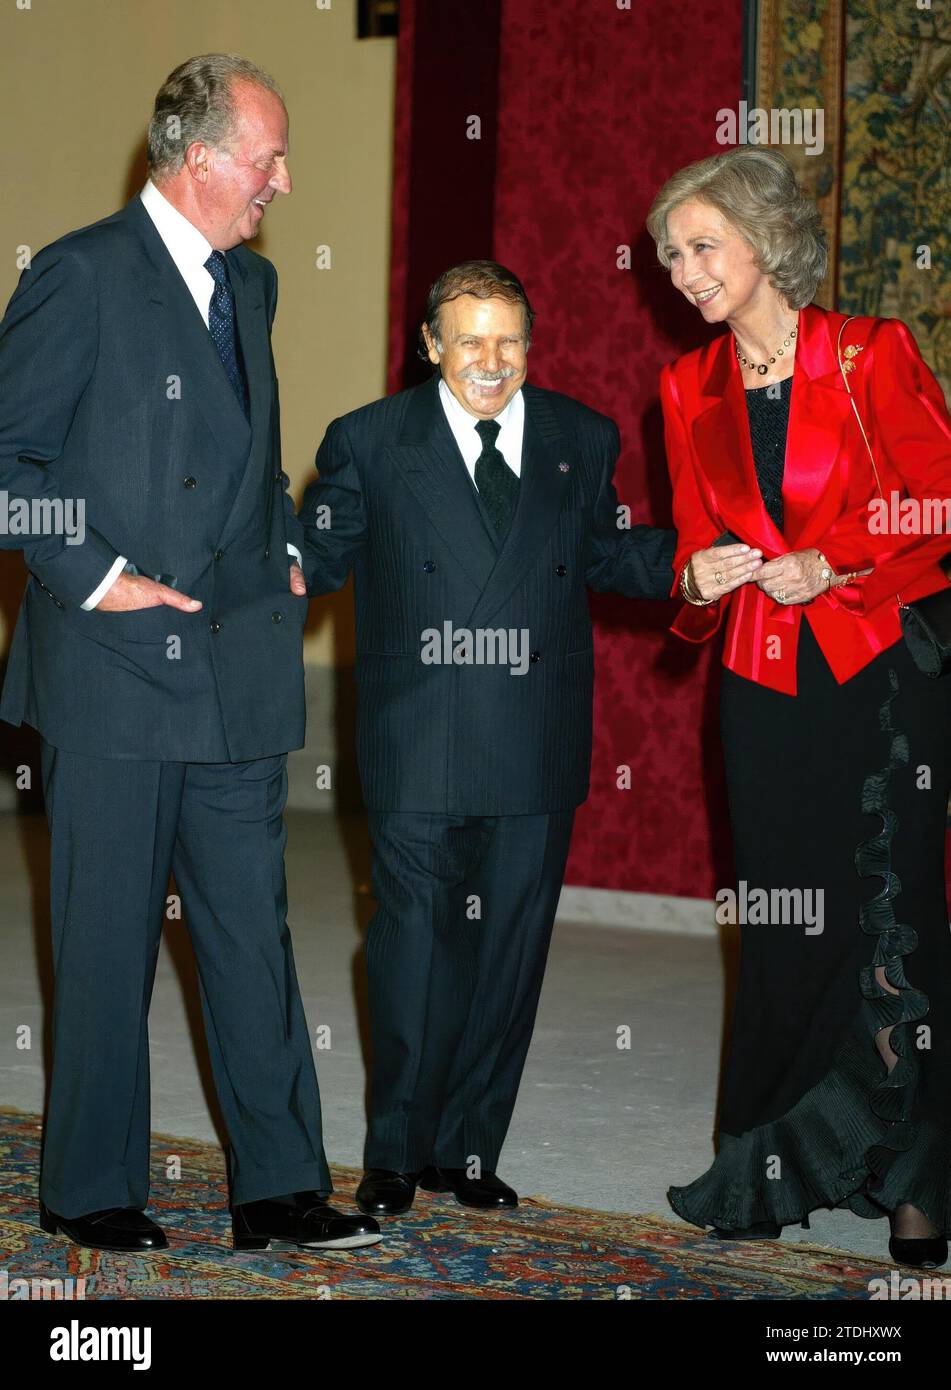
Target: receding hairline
point(239, 80)
point(510, 303)
point(513, 303)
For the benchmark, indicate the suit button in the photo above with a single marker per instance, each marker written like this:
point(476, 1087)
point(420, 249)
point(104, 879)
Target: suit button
point(277, 477)
point(215, 626)
point(535, 656)
point(218, 554)
point(429, 566)
point(277, 617)
point(561, 571)
point(191, 482)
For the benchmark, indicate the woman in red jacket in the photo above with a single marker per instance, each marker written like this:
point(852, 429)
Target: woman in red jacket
point(837, 1089)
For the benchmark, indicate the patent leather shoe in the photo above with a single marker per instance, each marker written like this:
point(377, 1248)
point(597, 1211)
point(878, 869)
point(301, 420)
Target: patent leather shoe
point(487, 1192)
point(125, 1229)
point(307, 1222)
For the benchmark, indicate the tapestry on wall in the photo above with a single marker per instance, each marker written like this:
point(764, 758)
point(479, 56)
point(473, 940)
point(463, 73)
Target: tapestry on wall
point(896, 185)
point(797, 90)
point(874, 69)
point(883, 180)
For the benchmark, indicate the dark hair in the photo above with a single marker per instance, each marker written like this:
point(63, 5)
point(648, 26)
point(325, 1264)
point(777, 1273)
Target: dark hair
point(485, 280)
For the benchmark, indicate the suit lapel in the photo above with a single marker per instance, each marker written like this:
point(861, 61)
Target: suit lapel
point(432, 467)
point(253, 335)
point(205, 380)
point(722, 438)
point(545, 478)
point(817, 416)
point(170, 303)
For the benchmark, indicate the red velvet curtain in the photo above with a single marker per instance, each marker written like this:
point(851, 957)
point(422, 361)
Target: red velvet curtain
point(585, 109)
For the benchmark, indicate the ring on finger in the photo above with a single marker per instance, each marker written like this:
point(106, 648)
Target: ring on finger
point(781, 595)
point(718, 577)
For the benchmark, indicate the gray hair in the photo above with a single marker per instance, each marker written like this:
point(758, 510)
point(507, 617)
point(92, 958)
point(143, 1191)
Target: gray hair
point(756, 191)
point(196, 102)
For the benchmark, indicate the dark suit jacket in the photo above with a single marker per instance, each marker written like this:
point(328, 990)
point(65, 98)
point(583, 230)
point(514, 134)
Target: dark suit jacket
point(405, 517)
point(114, 393)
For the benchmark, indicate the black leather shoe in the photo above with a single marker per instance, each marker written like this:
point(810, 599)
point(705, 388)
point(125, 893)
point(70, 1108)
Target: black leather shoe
point(116, 1228)
point(383, 1192)
point(761, 1230)
point(923, 1252)
point(486, 1192)
point(306, 1223)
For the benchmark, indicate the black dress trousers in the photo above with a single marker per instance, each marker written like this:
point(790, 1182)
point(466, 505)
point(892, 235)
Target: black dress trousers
point(456, 955)
point(118, 826)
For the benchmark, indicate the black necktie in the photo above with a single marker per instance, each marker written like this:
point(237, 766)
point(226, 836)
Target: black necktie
point(221, 324)
point(497, 484)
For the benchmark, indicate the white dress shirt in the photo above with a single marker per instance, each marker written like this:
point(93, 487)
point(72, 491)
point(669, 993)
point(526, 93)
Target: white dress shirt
point(463, 425)
point(186, 245)
point(189, 249)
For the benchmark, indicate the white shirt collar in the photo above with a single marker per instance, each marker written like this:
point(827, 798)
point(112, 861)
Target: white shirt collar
point(463, 425)
point(459, 414)
point(186, 244)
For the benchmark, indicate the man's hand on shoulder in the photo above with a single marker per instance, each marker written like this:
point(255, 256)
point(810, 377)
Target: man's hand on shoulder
point(133, 591)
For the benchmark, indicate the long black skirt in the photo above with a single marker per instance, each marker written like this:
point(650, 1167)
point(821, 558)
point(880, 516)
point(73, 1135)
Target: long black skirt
point(843, 789)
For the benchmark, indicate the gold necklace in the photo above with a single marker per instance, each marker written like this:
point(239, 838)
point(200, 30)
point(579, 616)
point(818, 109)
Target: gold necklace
point(765, 366)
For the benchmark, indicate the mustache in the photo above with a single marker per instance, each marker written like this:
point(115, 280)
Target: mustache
point(473, 374)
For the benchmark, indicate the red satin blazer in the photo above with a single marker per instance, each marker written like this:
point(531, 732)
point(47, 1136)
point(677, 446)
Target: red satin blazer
point(827, 487)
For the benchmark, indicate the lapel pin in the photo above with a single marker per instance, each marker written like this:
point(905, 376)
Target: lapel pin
point(562, 468)
point(851, 351)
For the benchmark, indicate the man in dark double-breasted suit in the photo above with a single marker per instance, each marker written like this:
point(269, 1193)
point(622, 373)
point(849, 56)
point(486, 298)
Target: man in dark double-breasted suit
point(473, 511)
point(158, 653)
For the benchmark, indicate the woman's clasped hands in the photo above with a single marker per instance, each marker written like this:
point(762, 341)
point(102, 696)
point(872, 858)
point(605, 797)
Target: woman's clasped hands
point(797, 577)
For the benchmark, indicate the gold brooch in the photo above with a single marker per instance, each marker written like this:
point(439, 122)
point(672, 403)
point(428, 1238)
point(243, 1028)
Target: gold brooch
point(851, 351)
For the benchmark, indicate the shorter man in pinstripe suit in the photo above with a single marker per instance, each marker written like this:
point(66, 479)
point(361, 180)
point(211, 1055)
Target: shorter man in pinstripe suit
point(473, 511)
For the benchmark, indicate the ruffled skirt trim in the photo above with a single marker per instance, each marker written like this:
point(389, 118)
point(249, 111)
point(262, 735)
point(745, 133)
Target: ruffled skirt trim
point(849, 1141)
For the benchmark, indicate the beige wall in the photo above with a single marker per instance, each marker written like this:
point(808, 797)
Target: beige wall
point(79, 78)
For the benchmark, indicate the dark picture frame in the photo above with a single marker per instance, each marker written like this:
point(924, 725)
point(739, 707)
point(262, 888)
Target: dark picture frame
point(378, 19)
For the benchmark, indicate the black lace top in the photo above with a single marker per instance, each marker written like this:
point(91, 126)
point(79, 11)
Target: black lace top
point(769, 417)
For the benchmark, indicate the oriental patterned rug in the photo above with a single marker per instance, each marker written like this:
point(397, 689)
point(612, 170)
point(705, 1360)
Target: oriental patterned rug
point(438, 1250)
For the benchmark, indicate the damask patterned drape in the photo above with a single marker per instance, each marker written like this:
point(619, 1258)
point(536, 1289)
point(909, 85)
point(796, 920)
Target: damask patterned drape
point(582, 109)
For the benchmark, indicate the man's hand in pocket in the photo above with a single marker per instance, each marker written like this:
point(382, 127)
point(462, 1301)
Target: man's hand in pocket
point(132, 591)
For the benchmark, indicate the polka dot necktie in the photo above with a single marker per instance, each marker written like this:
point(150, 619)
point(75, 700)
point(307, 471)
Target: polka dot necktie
point(498, 485)
point(221, 325)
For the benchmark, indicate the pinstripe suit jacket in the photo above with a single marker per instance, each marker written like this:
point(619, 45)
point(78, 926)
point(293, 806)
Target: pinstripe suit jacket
point(395, 504)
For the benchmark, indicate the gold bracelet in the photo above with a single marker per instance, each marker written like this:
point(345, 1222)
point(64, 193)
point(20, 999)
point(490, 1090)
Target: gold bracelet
point(684, 589)
point(829, 573)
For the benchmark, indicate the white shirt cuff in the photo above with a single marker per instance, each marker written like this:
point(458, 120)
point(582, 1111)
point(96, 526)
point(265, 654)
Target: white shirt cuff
point(292, 550)
point(118, 566)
